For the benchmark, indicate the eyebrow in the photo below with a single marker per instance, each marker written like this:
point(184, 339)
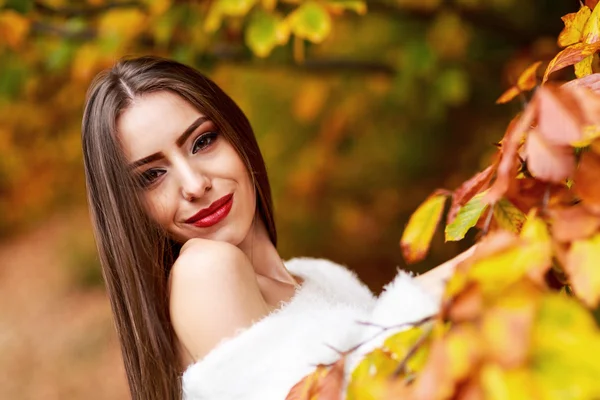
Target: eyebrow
point(180, 141)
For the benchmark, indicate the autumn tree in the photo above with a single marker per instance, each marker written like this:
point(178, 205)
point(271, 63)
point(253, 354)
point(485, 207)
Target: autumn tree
point(515, 320)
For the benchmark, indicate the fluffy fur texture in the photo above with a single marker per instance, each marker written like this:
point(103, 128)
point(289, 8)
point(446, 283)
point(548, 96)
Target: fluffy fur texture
point(265, 360)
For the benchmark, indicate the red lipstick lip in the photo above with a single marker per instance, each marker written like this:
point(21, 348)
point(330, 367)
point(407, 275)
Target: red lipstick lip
point(210, 209)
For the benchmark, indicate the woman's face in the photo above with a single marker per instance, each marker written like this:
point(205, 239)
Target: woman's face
point(184, 165)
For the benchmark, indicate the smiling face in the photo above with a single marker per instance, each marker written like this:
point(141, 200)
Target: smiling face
point(184, 164)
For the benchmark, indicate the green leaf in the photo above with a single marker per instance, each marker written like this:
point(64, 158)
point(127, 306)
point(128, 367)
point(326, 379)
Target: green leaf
point(421, 227)
point(21, 6)
point(264, 32)
point(508, 216)
point(467, 217)
point(311, 22)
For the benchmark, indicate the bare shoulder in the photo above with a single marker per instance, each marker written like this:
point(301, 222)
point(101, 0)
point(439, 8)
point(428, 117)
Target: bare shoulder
point(213, 293)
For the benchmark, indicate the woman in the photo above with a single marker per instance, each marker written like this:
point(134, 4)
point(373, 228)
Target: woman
point(182, 212)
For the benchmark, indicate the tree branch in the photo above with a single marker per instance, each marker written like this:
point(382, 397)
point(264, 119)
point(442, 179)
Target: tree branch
point(68, 12)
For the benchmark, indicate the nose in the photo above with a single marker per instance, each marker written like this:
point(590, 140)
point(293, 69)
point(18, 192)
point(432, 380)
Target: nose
point(194, 184)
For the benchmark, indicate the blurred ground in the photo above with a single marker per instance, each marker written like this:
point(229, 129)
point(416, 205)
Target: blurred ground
point(56, 339)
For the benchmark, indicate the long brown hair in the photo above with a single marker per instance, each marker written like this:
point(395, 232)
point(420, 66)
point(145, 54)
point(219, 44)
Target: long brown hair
point(136, 254)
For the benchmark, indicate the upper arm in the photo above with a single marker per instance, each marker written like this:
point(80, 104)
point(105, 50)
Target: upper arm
point(213, 293)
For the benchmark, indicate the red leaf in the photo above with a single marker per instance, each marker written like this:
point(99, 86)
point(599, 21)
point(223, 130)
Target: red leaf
point(585, 182)
point(507, 167)
point(476, 184)
point(591, 82)
point(569, 56)
point(591, 3)
point(546, 161)
point(560, 120)
point(573, 223)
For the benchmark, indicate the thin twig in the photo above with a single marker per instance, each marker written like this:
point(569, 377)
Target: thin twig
point(411, 352)
point(387, 328)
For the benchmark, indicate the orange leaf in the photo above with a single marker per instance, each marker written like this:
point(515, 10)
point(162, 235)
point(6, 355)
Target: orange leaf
point(510, 145)
point(507, 96)
point(14, 28)
point(325, 383)
point(573, 223)
point(507, 329)
point(467, 305)
point(591, 3)
point(527, 81)
point(560, 120)
point(476, 184)
point(583, 271)
point(421, 227)
point(585, 182)
point(569, 56)
point(574, 24)
point(546, 161)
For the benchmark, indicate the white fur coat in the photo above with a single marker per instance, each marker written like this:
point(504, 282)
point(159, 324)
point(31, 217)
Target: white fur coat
point(265, 360)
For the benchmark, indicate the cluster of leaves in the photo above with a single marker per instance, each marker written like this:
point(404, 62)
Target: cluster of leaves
point(515, 319)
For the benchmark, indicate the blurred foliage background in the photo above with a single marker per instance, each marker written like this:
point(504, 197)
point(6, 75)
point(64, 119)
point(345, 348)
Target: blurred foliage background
point(361, 110)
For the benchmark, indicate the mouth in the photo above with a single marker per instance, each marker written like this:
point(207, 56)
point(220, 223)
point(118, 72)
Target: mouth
point(211, 215)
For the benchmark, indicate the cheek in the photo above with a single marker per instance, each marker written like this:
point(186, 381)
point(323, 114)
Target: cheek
point(159, 207)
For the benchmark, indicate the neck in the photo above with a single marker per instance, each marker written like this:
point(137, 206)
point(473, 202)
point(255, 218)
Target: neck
point(262, 253)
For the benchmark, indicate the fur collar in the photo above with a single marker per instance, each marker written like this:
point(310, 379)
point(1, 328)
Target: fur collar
point(265, 360)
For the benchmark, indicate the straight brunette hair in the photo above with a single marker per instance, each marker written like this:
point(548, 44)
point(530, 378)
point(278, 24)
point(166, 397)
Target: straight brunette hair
point(135, 253)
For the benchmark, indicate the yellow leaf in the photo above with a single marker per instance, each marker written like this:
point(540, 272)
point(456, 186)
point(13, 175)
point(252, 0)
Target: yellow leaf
point(214, 18)
point(591, 30)
point(369, 378)
point(14, 28)
point(574, 24)
point(565, 350)
point(157, 7)
point(264, 32)
point(583, 268)
point(571, 55)
point(584, 67)
point(269, 4)
point(527, 81)
point(122, 24)
point(502, 384)
point(310, 99)
point(235, 8)
point(310, 21)
point(421, 227)
point(535, 232)
point(467, 217)
point(508, 216)
point(507, 327)
point(338, 6)
point(507, 96)
point(85, 63)
point(503, 259)
point(400, 343)
point(463, 347)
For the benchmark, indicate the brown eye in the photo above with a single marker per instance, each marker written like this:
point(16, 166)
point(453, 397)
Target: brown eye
point(150, 176)
point(204, 141)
